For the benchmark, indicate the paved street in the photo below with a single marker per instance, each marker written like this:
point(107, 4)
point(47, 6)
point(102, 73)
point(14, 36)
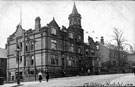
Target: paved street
point(81, 80)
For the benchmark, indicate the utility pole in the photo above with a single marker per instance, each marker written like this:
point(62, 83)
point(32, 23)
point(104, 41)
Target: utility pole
point(17, 56)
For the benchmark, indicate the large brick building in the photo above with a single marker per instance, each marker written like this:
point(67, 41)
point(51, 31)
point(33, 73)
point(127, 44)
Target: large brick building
point(50, 47)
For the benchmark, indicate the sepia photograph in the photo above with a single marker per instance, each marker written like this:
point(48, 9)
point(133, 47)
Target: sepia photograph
point(67, 43)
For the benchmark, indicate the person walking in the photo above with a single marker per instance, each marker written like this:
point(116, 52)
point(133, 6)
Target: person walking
point(134, 71)
point(47, 75)
point(88, 71)
point(63, 73)
point(40, 76)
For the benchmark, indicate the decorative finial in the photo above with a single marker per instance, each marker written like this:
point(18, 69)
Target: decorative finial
point(53, 18)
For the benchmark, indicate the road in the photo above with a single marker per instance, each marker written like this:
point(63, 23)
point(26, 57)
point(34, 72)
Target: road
point(81, 81)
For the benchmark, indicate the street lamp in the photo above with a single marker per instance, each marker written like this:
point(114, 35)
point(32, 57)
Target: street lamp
point(18, 55)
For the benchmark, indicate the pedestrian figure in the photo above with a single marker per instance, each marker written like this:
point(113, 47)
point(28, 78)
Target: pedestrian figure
point(98, 71)
point(88, 71)
point(40, 76)
point(63, 73)
point(47, 75)
point(134, 70)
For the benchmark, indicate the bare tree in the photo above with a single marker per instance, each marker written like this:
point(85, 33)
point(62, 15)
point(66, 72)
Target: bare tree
point(119, 39)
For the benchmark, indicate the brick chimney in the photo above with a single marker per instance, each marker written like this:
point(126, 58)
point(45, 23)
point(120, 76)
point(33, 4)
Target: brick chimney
point(102, 40)
point(37, 23)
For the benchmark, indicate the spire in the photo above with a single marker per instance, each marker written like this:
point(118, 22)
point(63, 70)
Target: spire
point(74, 11)
point(74, 17)
point(20, 23)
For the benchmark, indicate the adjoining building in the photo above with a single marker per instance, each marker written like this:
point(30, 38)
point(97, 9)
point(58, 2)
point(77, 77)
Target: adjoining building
point(131, 59)
point(3, 63)
point(112, 59)
point(103, 53)
point(50, 48)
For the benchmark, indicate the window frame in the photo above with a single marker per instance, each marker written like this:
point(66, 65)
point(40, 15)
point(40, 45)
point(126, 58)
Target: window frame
point(71, 47)
point(71, 36)
point(53, 44)
point(54, 30)
point(54, 60)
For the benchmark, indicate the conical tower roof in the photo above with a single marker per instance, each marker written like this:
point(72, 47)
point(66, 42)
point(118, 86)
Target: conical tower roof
point(74, 11)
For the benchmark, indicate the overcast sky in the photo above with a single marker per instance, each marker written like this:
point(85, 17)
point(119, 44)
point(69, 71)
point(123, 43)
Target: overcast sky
point(98, 16)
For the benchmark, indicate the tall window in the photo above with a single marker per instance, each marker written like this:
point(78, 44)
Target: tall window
point(19, 45)
point(79, 49)
point(32, 45)
point(17, 56)
point(53, 30)
point(54, 59)
point(71, 35)
point(69, 62)
point(87, 52)
point(79, 37)
point(26, 47)
point(20, 59)
point(32, 60)
point(53, 44)
point(71, 47)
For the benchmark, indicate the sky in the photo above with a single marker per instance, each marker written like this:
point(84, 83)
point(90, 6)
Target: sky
point(99, 18)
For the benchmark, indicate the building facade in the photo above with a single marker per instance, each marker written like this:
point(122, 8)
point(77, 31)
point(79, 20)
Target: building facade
point(49, 48)
point(111, 58)
point(3, 63)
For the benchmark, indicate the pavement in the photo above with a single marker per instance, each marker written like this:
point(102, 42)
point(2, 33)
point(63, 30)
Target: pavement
point(106, 80)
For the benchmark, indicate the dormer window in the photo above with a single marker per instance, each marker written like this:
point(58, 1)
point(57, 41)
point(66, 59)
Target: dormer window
point(71, 35)
point(53, 30)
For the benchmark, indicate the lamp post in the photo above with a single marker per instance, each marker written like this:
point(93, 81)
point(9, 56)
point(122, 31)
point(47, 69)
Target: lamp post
point(18, 55)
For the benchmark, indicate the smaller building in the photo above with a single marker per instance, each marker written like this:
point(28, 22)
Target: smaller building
point(131, 59)
point(3, 63)
point(111, 57)
point(103, 54)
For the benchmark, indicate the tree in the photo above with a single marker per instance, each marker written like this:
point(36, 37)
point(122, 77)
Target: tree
point(118, 37)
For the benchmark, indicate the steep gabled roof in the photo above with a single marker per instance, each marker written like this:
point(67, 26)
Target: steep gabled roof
point(53, 23)
point(18, 28)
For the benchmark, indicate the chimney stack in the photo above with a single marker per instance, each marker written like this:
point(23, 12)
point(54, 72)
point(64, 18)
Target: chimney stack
point(102, 40)
point(37, 23)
